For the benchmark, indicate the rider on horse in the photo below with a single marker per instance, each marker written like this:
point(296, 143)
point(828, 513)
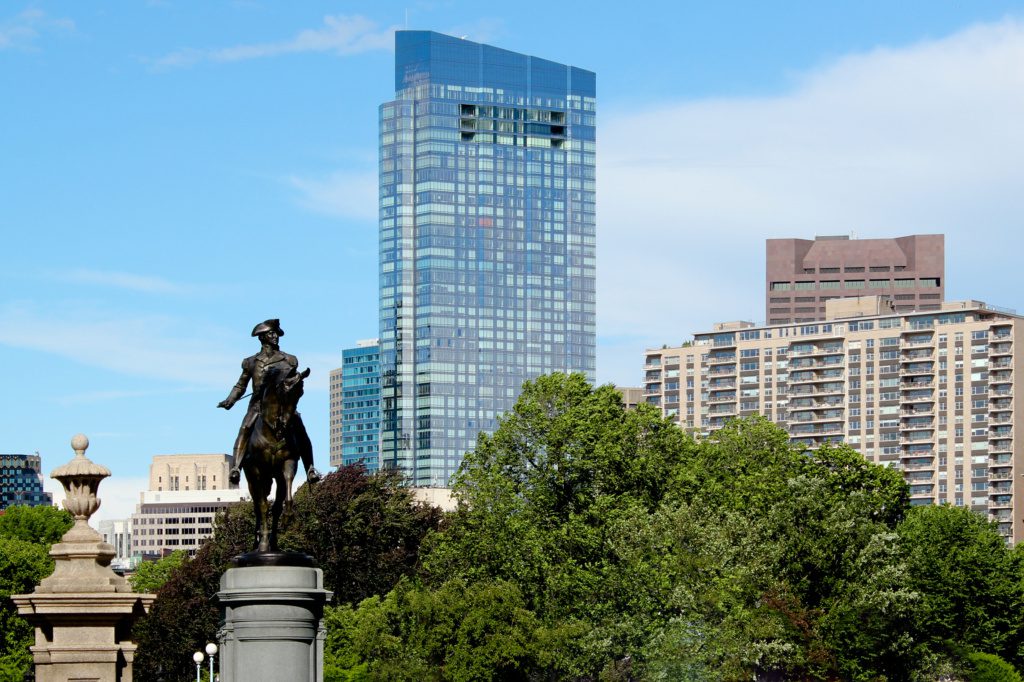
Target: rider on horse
point(256, 368)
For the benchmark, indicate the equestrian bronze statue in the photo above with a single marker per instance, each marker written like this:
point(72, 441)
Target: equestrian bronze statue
point(272, 438)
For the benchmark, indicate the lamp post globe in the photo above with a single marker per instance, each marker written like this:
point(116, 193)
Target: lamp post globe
point(211, 651)
point(198, 658)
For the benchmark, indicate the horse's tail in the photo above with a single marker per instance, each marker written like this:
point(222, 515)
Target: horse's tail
point(257, 441)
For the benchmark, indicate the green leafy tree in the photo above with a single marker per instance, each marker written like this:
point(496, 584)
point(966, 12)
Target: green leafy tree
point(547, 500)
point(348, 517)
point(364, 530)
point(43, 525)
point(735, 556)
point(22, 565)
point(991, 668)
point(969, 581)
point(150, 576)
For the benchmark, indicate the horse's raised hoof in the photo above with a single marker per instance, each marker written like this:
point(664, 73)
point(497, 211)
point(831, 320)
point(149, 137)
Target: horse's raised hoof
point(313, 476)
point(234, 476)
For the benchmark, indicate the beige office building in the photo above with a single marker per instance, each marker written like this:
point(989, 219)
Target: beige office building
point(929, 393)
point(177, 512)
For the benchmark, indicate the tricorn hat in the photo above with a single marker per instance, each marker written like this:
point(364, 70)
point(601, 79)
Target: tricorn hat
point(268, 326)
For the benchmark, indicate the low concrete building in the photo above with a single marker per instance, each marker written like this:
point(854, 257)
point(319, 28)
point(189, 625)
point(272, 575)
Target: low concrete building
point(178, 511)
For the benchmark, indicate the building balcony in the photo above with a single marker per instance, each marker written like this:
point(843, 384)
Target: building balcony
point(813, 418)
point(1000, 393)
point(723, 370)
point(817, 390)
point(904, 440)
point(814, 376)
point(721, 384)
point(1000, 349)
point(1003, 363)
point(722, 398)
point(911, 384)
point(921, 369)
point(1000, 501)
point(718, 359)
point(920, 491)
point(998, 445)
point(826, 349)
point(1000, 334)
point(1000, 377)
point(927, 411)
point(818, 405)
point(914, 336)
point(810, 363)
point(917, 426)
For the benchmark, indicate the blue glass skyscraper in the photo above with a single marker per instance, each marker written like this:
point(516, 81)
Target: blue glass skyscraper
point(360, 405)
point(487, 241)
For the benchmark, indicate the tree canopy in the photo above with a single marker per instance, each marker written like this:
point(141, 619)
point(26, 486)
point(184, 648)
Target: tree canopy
point(597, 543)
point(26, 534)
point(364, 530)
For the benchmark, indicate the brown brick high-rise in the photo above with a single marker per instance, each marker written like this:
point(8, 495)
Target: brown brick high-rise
point(801, 274)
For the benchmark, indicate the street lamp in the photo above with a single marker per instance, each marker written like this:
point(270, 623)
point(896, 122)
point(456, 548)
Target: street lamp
point(198, 658)
point(211, 651)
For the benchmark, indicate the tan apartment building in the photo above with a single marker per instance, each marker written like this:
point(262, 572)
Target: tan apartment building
point(802, 274)
point(930, 393)
point(177, 512)
point(335, 421)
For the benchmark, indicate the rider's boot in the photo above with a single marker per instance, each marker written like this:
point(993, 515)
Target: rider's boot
point(235, 475)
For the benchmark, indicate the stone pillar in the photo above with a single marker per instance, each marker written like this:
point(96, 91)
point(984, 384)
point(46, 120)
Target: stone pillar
point(272, 624)
point(83, 612)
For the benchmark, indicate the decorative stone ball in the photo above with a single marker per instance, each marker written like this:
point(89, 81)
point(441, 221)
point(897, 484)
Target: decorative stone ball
point(79, 443)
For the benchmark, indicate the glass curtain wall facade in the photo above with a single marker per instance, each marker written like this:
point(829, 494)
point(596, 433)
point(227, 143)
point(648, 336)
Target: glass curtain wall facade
point(487, 241)
point(21, 481)
point(360, 405)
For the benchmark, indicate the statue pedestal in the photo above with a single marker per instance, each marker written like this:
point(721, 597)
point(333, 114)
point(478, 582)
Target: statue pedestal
point(272, 624)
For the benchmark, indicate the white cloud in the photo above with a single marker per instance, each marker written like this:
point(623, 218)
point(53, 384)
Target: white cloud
point(344, 194)
point(151, 346)
point(340, 35)
point(22, 30)
point(123, 280)
point(920, 139)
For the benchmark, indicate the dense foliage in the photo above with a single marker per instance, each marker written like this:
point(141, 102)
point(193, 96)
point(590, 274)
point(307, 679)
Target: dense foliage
point(364, 531)
point(596, 543)
point(26, 534)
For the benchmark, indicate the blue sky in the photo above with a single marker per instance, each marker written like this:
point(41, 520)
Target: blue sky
point(172, 173)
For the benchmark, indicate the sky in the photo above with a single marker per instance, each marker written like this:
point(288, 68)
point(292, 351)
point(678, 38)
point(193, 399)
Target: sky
point(172, 173)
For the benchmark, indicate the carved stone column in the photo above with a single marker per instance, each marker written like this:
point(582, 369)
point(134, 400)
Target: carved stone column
point(83, 612)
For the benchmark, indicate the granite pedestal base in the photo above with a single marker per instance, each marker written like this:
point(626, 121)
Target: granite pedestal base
point(272, 624)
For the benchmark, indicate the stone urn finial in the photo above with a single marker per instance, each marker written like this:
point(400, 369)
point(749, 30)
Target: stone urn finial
point(82, 558)
point(81, 480)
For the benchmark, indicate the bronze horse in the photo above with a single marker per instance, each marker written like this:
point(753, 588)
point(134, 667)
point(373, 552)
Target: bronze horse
point(272, 453)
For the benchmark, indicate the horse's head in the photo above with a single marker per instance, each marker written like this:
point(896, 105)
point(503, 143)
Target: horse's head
point(280, 395)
